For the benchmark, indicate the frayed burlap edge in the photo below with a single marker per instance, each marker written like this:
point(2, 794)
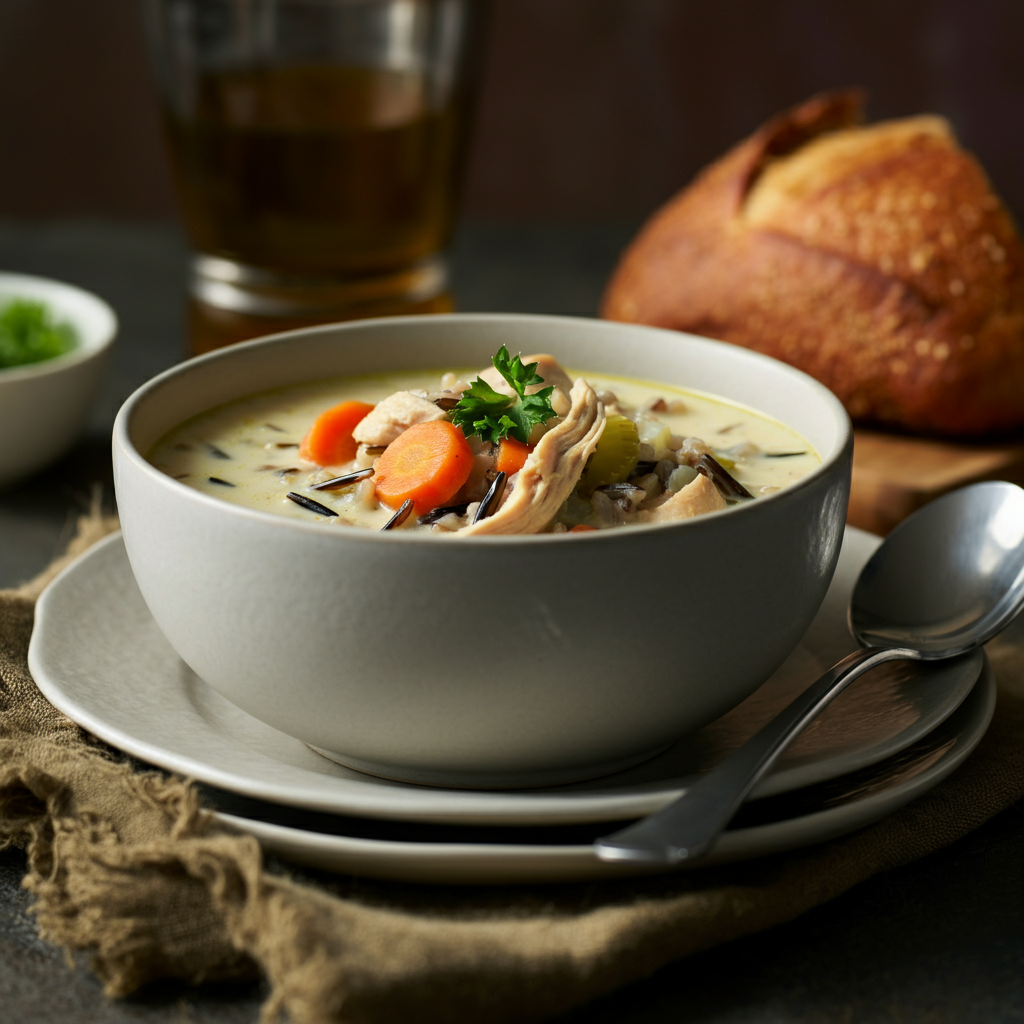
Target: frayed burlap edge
point(127, 866)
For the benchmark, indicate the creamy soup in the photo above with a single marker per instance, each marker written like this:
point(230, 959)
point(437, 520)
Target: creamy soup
point(616, 452)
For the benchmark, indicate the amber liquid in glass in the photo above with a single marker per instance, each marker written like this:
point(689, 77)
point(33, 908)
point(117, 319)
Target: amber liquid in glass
point(321, 171)
point(316, 169)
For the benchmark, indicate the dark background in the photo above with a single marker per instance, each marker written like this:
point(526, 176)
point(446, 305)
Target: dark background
point(592, 112)
point(590, 109)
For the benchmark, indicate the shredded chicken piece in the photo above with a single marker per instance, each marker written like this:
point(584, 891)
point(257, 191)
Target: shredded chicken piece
point(551, 470)
point(697, 498)
point(394, 415)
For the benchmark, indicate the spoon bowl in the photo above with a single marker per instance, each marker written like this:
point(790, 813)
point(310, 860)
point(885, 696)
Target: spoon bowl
point(948, 578)
point(945, 581)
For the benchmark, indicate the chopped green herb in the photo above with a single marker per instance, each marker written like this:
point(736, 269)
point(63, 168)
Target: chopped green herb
point(29, 334)
point(492, 415)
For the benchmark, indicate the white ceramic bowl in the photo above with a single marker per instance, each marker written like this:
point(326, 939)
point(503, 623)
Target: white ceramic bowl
point(44, 406)
point(489, 661)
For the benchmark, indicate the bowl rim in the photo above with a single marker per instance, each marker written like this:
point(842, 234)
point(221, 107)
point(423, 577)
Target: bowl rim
point(121, 441)
point(90, 345)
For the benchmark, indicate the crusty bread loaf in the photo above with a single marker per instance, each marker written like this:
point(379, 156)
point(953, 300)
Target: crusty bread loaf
point(876, 258)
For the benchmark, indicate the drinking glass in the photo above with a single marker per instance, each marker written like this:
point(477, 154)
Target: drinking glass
point(317, 149)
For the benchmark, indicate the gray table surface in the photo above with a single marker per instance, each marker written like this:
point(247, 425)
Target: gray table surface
point(941, 940)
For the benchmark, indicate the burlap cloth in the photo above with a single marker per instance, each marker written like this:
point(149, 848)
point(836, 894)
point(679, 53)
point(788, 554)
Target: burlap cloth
point(127, 865)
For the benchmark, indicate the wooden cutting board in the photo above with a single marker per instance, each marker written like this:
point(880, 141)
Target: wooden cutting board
point(893, 475)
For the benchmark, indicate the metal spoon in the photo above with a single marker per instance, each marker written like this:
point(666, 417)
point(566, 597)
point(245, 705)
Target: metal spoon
point(946, 580)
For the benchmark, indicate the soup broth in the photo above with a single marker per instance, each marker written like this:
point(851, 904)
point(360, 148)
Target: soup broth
point(248, 452)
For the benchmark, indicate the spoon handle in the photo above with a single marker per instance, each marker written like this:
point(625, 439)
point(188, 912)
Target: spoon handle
point(688, 827)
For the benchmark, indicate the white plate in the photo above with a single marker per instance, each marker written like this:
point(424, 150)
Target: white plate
point(98, 656)
point(454, 855)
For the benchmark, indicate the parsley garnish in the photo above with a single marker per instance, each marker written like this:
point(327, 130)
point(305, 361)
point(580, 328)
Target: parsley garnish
point(29, 334)
point(492, 415)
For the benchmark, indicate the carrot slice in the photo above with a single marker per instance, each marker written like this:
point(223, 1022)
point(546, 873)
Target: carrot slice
point(329, 441)
point(512, 455)
point(429, 462)
point(583, 528)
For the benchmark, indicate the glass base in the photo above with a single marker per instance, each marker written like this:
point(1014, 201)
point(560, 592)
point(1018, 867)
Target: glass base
point(232, 302)
point(210, 328)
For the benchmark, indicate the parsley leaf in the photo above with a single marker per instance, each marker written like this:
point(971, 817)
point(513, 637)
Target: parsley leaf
point(492, 415)
point(29, 334)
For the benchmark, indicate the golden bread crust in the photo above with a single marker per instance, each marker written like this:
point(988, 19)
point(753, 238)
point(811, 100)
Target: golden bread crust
point(876, 258)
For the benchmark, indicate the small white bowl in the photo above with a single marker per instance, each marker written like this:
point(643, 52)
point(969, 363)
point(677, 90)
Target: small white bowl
point(482, 661)
point(44, 406)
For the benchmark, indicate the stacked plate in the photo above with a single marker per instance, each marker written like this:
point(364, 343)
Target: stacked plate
point(98, 656)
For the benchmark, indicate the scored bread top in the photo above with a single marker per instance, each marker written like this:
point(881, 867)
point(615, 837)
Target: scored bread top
point(876, 258)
